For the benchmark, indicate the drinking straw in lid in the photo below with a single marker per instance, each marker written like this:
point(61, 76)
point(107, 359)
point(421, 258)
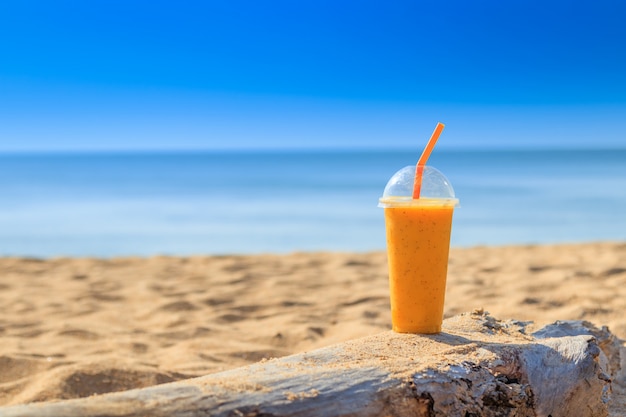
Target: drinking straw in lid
point(421, 163)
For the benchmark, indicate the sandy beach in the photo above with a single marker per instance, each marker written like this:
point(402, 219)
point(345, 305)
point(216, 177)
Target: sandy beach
point(73, 327)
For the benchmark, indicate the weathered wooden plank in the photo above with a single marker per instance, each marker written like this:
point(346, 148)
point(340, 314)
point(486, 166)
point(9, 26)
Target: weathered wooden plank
point(478, 366)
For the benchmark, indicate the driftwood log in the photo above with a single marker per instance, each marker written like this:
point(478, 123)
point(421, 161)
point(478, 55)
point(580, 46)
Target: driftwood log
point(478, 366)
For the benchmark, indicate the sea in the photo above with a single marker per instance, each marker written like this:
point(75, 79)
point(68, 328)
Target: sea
point(251, 202)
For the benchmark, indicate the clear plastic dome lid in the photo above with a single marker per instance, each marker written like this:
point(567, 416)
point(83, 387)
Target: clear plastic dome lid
point(435, 190)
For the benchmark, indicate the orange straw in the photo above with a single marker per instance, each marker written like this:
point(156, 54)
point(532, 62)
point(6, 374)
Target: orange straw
point(421, 163)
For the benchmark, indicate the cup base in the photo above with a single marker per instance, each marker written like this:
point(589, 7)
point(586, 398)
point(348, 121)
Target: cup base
point(418, 329)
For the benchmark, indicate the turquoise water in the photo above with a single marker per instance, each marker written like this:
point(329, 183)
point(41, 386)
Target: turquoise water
point(217, 203)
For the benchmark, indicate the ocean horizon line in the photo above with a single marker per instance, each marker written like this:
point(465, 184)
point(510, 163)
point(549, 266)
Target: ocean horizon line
point(300, 150)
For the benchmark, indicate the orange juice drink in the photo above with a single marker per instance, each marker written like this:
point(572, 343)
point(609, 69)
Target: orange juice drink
point(418, 244)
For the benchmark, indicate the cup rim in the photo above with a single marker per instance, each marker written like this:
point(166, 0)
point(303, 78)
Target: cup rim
point(405, 201)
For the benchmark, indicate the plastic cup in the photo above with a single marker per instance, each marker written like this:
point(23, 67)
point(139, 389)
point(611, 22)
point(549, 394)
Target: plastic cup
point(418, 244)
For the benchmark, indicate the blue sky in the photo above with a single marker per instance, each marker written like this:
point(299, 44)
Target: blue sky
point(132, 75)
